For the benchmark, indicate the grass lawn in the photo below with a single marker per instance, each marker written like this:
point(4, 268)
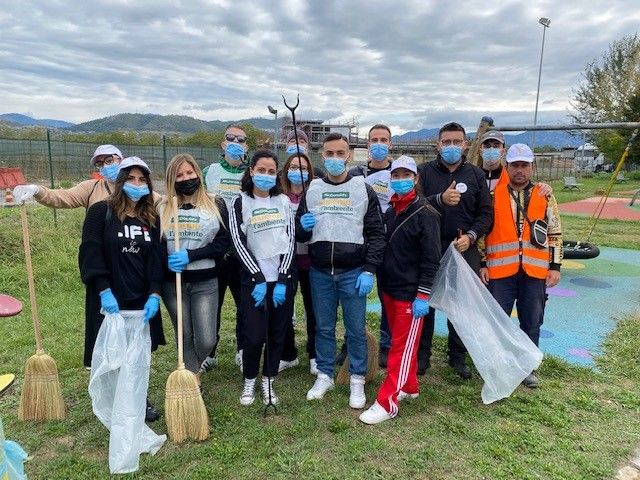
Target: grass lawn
point(581, 423)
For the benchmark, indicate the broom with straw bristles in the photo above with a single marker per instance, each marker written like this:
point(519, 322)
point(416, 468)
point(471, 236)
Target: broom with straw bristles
point(343, 376)
point(41, 397)
point(185, 412)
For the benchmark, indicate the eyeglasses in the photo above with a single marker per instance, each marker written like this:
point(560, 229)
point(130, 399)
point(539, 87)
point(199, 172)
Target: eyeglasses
point(448, 143)
point(235, 138)
point(107, 161)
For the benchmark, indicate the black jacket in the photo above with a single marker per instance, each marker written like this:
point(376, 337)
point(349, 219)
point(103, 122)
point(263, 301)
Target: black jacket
point(338, 257)
point(413, 252)
point(474, 214)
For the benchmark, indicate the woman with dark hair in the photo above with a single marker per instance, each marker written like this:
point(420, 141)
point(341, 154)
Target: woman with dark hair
point(119, 257)
point(204, 240)
point(296, 171)
point(261, 224)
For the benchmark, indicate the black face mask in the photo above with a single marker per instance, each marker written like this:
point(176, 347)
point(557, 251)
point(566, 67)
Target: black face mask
point(188, 187)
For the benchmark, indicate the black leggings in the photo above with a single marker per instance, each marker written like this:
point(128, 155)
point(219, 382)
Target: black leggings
point(290, 352)
point(228, 276)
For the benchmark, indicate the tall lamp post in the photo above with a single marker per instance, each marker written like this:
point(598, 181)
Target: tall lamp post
point(545, 22)
point(273, 111)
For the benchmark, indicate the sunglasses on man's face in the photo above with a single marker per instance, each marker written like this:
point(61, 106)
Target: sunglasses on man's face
point(235, 138)
point(106, 161)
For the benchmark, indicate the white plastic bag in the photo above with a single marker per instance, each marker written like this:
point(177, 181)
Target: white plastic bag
point(118, 388)
point(503, 354)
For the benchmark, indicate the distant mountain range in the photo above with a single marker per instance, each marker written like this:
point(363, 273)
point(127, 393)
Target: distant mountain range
point(24, 120)
point(557, 139)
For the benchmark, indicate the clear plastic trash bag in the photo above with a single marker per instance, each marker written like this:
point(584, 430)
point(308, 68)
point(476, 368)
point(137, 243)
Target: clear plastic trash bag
point(118, 388)
point(12, 458)
point(502, 353)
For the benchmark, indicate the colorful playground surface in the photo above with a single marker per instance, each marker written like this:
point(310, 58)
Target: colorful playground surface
point(615, 208)
point(584, 307)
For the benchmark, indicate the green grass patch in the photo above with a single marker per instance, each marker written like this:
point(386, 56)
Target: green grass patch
point(581, 423)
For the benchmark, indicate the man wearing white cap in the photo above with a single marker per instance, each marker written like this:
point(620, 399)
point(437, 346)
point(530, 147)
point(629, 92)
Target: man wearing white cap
point(106, 159)
point(523, 250)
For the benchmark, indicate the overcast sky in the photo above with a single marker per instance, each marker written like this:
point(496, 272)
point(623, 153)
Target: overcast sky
point(410, 64)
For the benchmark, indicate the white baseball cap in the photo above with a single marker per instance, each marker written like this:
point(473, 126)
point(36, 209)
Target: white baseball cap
point(134, 162)
point(105, 150)
point(404, 161)
point(519, 152)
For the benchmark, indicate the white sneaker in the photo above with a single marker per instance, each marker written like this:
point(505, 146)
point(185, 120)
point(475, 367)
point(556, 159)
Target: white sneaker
point(239, 359)
point(357, 398)
point(284, 364)
point(313, 366)
point(248, 395)
point(208, 363)
point(375, 414)
point(407, 396)
point(267, 384)
point(321, 386)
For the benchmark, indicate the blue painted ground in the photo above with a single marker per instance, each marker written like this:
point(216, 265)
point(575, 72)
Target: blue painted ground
point(584, 307)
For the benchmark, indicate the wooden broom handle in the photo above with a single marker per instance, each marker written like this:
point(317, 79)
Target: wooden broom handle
point(32, 287)
point(176, 239)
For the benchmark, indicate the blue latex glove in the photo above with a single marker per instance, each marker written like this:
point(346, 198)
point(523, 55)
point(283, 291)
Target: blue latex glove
point(420, 307)
point(259, 292)
point(178, 261)
point(308, 221)
point(279, 292)
point(364, 284)
point(108, 302)
point(151, 308)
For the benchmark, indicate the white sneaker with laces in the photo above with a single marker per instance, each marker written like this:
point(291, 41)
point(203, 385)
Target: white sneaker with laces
point(357, 398)
point(239, 359)
point(284, 364)
point(313, 366)
point(267, 384)
point(375, 414)
point(407, 396)
point(248, 395)
point(321, 386)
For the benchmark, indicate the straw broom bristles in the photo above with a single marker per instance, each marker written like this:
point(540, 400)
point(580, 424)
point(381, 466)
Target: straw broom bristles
point(41, 397)
point(186, 415)
point(343, 377)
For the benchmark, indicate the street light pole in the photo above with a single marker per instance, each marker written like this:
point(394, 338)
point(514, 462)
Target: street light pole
point(545, 22)
point(273, 111)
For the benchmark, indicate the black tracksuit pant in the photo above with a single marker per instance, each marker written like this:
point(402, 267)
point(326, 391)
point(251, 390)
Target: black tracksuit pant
point(229, 271)
point(290, 352)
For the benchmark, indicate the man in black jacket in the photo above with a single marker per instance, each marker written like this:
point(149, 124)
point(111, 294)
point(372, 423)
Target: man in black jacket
point(340, 218)
point(459, 191)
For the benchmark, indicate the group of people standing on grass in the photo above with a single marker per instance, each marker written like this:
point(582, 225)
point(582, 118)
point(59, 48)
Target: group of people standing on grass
point(263, 229)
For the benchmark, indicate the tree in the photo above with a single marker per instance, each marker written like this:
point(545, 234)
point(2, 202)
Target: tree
point(610, 92)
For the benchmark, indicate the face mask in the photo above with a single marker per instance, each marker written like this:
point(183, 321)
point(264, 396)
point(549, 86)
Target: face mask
point(110, 172)
point(491, 156)
point(379, 151)
point(451, 154)
point(402, 186)
point(294, 176)
point(234, 151)
point(264, 182)
point(335, 166)
point(188, 187)
point(291, 149)
point(135, 192)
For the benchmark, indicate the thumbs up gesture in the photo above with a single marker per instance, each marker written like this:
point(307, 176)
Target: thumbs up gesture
point(451, 196)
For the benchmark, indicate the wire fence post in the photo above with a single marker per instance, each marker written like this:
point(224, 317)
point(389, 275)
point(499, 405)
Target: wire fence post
point(164, 152)
point(55, 212)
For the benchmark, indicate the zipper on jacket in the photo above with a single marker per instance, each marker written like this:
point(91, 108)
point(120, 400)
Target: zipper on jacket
point(333, 244)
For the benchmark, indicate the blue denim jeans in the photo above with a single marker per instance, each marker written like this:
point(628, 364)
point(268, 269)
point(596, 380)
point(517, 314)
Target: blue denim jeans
point(327, 291)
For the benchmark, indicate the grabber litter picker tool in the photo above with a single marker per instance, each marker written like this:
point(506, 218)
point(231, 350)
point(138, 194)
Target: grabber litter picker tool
point(295, 132)
point(184, 408)
point(266, 359)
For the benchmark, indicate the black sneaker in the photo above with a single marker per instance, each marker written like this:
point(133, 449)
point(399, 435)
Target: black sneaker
point(342, 355)
point(461, 369)
point(151, 415)
point(424, 364)
point(383, 356)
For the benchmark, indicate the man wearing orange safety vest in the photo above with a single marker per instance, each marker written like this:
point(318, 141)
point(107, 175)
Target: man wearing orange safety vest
point(523, 251)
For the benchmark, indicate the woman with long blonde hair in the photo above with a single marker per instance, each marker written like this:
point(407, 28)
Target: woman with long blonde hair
point(204, 239)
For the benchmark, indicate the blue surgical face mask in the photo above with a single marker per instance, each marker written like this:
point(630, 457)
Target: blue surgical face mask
point(291, 149)
point(264, 182)
point(234, 151)
point(451, 154)
point(294, 176)
point(402, 186)
point(379, 151)
point(110, 172)
point(135, 192)
point(335, 166)
point(491, 155)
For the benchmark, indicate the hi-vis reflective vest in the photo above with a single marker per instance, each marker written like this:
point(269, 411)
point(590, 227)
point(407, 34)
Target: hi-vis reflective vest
point(505, 250)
